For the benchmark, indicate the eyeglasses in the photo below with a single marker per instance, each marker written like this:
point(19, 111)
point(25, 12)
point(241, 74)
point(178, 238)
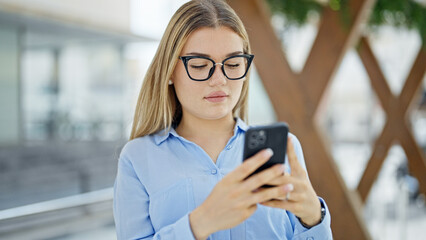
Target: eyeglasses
point(201, 68)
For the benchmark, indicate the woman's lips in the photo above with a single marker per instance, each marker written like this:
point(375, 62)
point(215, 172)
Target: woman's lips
point(216, 97)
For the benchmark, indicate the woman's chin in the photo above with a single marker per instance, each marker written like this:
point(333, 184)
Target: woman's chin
point(217, 115)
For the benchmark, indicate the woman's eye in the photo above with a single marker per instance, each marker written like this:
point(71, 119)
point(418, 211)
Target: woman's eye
point(198, 66)
point(233, 65)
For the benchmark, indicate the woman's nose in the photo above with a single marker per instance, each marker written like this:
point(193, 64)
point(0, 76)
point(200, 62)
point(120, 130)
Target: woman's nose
point(218, 78)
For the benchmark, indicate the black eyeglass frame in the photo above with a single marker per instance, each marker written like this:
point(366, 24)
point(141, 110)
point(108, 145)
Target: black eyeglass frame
point(185, 60)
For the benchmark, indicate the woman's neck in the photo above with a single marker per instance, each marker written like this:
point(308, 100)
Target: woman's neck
point(191, 127)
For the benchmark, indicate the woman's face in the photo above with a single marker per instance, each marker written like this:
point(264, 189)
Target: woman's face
point(216, 97)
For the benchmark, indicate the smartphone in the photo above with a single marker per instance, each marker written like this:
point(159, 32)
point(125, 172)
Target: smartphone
point(272, 136)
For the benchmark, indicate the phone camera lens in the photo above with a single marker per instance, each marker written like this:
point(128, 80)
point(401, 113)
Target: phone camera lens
point(261, 138)
point(252, 144)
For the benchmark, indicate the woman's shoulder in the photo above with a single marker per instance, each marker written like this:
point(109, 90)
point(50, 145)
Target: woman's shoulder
point(294, 139)
point(138, 146)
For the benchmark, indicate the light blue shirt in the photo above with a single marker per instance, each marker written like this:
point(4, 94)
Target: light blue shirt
point(163, 177)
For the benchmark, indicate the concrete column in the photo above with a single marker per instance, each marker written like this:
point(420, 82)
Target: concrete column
point(10, 115)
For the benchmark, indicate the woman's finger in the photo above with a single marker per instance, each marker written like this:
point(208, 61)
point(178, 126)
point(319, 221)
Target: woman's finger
point(287, 205)
point(280, 180)
point(266, 194)
point(296, 169)
point(273, 193)
point(249, 166)
point(295, 186)
point(263, 177)
point(283, 179)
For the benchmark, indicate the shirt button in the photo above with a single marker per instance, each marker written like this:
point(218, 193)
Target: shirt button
point(214, 171)
point(229, 147)
point(310, 238)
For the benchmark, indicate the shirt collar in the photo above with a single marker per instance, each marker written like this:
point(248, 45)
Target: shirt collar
point(164, 134)
point(241, 125)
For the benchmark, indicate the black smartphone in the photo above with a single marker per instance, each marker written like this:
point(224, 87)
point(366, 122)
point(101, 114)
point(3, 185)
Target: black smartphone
point(272, 136)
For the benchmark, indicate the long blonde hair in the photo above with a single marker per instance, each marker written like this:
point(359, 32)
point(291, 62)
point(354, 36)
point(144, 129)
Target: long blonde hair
point(158, 107)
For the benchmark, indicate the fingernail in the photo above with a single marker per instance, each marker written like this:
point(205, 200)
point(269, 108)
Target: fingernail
point(282, 167)
point(268, 152)
point(288, 187)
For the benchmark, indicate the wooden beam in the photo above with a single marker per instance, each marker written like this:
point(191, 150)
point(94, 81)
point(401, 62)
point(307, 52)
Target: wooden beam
point(415, 157)
point(414, 80)
point(377, 78)
point(378, 156)
point(385, 140)
point(397, 124)
point(333, 40)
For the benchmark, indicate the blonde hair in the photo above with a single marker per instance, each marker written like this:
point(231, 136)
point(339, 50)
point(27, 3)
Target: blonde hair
point(158, 107)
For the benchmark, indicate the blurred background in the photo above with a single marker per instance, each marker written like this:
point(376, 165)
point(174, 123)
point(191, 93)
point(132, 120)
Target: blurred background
point(70, 72)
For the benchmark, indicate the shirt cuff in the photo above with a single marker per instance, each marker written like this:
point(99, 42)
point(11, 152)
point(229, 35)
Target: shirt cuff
point(184, 228)
point(322, 229)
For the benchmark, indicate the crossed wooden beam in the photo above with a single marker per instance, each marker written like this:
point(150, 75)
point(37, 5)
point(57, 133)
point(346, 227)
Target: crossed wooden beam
point(397, 127)
point(296, 98)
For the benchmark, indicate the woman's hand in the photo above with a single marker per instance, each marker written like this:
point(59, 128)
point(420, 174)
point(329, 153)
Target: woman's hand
point(234, 198)
point(299, 196)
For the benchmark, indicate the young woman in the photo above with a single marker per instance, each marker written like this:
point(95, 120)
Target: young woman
point(182, 176)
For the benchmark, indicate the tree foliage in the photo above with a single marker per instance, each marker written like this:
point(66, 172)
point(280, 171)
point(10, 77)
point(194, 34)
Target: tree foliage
point(400, 13)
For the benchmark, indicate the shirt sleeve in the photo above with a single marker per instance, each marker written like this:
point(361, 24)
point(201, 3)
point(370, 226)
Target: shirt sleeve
point(131, 209)
point(323, 229)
